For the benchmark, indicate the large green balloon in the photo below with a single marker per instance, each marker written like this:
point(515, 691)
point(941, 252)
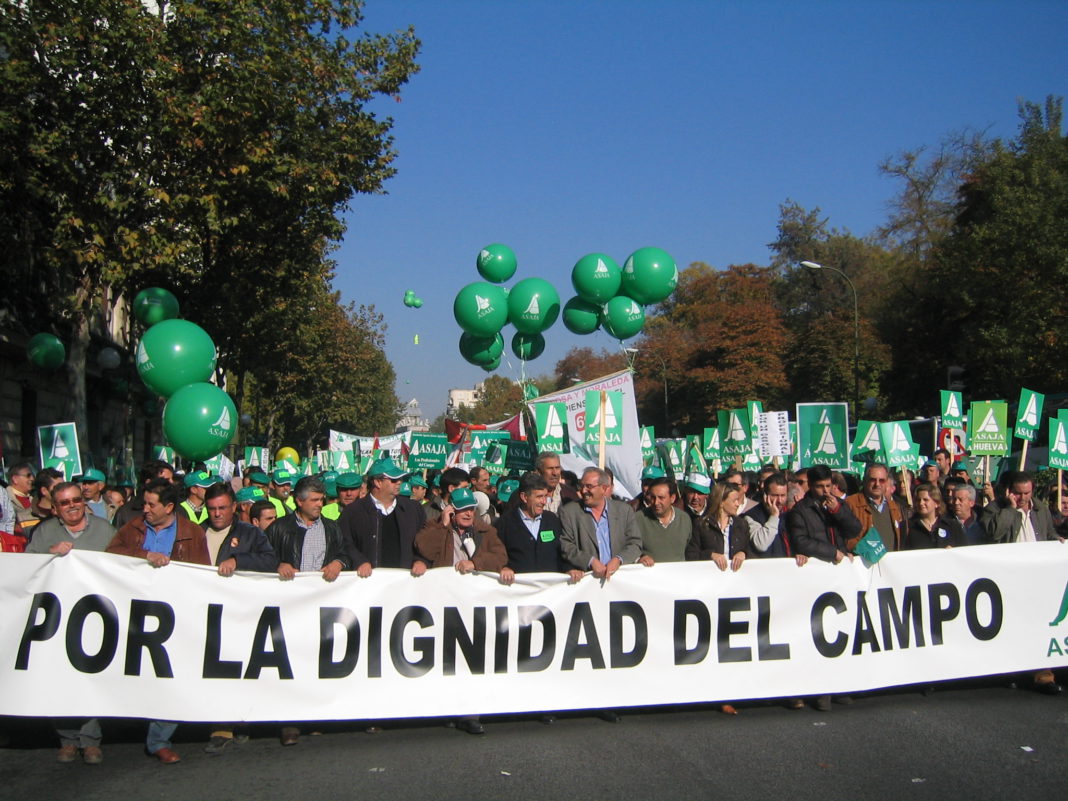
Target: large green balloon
point(481, 350)
point(496, 263)
point(533, 305)
point(46, 350)
point(481, 309)
point(581, 317)
point(622, 317)
point(154, 305)
point(649, 275)
point(596, 277)
point(199, 421)
point(489, 368)
point(528, 346)
point(174, 353)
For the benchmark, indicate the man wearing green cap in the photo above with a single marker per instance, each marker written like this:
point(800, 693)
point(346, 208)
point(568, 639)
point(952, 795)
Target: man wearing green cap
point(642, 500)
point(246, 497)
point(380, 529)
point(280, 488)
point(418, 489)
point(695, 490)
point(196, 485)
point(348, 490)
point(93, 483)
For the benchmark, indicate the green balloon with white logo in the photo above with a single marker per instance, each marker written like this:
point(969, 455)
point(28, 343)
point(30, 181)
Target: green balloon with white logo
point(596, 278)
point(581, 317)
point(649, 275)
point(528, 346)
point(199, 420)
point(496, 263)
point(481, 350)
point(481, 309)
point(174, 353)
point(623, 317)
point(533, 305)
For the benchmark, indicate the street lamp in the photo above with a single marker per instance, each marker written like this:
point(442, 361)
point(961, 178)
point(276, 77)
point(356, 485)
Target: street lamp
point(663, 374)
point(811, 265)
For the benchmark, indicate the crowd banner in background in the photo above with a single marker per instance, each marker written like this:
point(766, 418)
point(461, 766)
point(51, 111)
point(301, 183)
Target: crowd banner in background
point(623, 458)
point(93, 634)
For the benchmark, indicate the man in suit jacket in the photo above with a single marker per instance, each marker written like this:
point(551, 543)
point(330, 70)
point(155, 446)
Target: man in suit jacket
point(531, 533)
point(599, 534)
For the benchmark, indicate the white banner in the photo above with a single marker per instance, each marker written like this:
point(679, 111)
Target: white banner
point(340, 441)
point(93, 634)
point(624, 460)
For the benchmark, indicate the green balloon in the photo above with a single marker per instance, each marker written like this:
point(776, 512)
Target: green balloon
point(174, 353)
point(489, 368)
point(199, 421)
point(417, 303)
point(581, 317)
point(154, 305)
point(481, 350)
point(533, 305)
point(46, 351)
point(596, 277)
point(496, 263)
point(649, 275)
point(528, 346)
point(622, 317)
point(481, 309)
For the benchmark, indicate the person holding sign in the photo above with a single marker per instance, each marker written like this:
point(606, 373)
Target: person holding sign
point(875, 508)
point(930, 527)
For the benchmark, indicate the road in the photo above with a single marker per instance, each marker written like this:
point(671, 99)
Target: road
point(969, 740)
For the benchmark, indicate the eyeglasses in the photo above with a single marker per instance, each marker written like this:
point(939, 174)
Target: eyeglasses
point(69, 502)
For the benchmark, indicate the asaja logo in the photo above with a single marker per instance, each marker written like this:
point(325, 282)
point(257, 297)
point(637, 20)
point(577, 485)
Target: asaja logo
point(224, 420)
point(1055, 647)
point(532, 307)
point(142, 354)
point(482, 304)
point(989, 424)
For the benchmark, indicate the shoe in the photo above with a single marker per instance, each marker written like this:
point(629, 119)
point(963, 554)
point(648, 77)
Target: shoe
point(92, 755)
point(218, 745)
point(795, 703)
point(548, 720)
point(67, 753)
point(167, 756)
point(1048, 688)
point(823, 703)
point(470, 726)
point(844, 700)
point(728, 709)
point(610, 716)
point(290, 735)
point(240, 739)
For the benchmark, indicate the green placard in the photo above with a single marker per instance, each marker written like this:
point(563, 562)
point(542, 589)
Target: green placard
point(898, 448)
point(695, 460)
point(257, 457)
point(823, 435)
point(342, 461)
point(1029, 414)
point(988, 428)
point(737, 440)
point(867, 444)
point(712, 444)
point(480, 440)
point(57, 446)
point(494, 457)
point(551, 421)
point(648, 440)
point(428, 451)
point(613, 417)
point(673, 456)
point(952, 409)
point(1058, 443)
point(164, 453)
point(520, 455)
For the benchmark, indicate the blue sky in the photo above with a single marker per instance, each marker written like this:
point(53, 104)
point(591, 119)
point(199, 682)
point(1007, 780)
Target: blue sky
point(563, 128)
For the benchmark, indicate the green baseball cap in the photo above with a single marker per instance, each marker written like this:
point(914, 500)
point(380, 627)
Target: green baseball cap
point(259, 477)
point(505, 489)
point(698, 482)
point(652, 472)
point(406, 489)
point(199, 478)
point(462, 498)
point(388, 468)
point(348, 481)
point(282, 477)
point(417, 481)
point(251, 495)
point(92, 475)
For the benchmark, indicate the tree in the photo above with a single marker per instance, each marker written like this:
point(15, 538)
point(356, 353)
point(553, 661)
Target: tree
point(990, 299)
point(499, 399)
point(714, 344)
point(209, 148)
point(582, 364)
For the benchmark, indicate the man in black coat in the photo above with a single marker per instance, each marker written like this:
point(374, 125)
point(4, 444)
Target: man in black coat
point(819, 524)
point(531, 533)
point(379, 529)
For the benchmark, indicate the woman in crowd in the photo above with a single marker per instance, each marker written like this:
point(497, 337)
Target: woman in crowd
point(930, 527)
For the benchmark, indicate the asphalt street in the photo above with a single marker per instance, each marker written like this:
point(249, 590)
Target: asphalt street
point(966, 740)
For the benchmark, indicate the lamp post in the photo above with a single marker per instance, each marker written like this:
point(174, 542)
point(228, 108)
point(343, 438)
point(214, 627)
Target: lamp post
point(663, 374)
point(811, 265)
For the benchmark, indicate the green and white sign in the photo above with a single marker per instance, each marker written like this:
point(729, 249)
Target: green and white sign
point(480, 440)
point(695, 461)
point(648, 440)
point(712, 444)
point(428, 451)
point(257, 457)
point(342, 461)
point(823, 435)
point(867, 444)
point(988, 428)
point(521, 455)
point(613, 417)
point(165, 454)
point(1029, 414)
point(738, 438)
point(754, 409)
point(495, 456)
point(673, 457)
point(952, 409)
point(551, 421)
point(898, 447)
point(58, 448)
point(1058, 443)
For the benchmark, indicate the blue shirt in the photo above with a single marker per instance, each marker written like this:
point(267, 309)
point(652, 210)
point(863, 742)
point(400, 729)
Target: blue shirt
point(533, 524)
point(161, 540)
point(604, 541)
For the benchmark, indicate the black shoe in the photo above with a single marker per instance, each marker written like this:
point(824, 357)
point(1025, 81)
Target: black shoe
point(219, 745)
point(609, 716)
point(470, 726)
point(1048, 688)
point(823, 703)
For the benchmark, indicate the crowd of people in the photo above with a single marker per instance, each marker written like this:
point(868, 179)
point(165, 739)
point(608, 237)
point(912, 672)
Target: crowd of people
point(545, 520)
